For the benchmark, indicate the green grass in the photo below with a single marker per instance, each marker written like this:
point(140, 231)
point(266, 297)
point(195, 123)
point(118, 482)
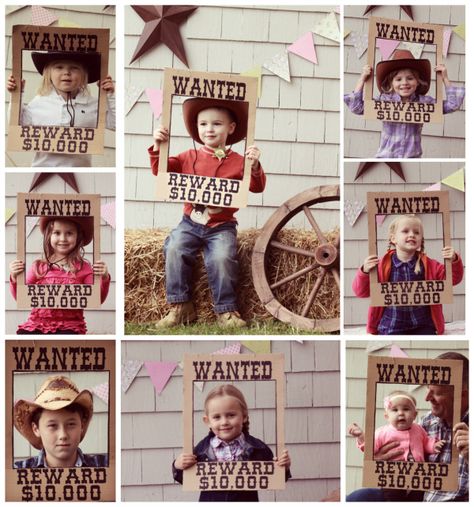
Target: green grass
point(270, 327)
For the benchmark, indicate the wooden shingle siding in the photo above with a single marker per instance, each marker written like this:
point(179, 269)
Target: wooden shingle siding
point(297, 123)
point(152, 425)
point(446, 140)
point(419, 175)
point(356, 375)
point(99, 321)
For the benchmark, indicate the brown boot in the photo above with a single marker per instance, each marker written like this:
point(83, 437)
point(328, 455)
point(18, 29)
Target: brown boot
point(231, 319)
point(180, 313)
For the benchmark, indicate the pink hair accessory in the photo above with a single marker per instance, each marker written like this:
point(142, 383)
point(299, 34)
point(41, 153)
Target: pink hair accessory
point(387, 401)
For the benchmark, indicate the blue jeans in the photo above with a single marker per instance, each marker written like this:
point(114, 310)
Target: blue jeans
point(219, 245)
point(366, 495)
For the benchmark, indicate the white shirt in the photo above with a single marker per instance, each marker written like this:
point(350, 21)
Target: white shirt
point(51, 110)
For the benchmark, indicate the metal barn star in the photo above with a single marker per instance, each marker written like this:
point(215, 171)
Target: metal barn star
point(394, 166)
point(405, 8)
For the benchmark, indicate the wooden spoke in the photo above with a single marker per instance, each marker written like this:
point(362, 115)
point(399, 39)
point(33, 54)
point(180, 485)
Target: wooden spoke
point(291, 249)
point(335, 274)
point(314, 292)
point(294, 276)
point(314, 225)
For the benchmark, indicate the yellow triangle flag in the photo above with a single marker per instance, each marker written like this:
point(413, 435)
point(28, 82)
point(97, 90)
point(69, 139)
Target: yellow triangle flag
point(258, 346)
point(455, 180)
point(347, 31)
point(255, 72)
point(460, 30)
point(8, 214)
point(68, 24)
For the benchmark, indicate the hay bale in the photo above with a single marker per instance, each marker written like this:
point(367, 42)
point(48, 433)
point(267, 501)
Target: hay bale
point(145, 297)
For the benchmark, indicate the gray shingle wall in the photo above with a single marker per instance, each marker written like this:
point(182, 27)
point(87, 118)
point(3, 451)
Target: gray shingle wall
point(297, 124)
point(361, 137)
point(152, 424)
point(377, 178)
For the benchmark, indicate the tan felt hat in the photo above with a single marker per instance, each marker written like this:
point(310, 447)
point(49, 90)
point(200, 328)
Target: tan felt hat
point(86, 224)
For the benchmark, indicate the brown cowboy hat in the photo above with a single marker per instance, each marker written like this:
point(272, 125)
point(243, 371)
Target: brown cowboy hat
point(56, 393)
point(86, 224)
point(90, 61)
point(239, 110)
point(404, 59)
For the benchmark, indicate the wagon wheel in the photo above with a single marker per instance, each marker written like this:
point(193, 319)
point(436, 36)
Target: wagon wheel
point(322, 261)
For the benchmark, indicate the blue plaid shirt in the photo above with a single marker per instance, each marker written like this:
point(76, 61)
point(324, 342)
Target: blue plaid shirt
point(83, 460)
point(228, 451)
point(437, 428)
point(396, 319)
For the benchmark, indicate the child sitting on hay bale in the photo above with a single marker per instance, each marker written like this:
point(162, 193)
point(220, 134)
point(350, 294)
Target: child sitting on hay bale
point(214, 124)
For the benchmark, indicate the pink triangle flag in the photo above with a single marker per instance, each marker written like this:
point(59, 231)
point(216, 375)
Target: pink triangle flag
point(230, 349)
point(387, 47)
point(304, 47)
point(433, 188)
point(446, 40)
point(155, 98)
point(160, 373)
point(102, 391)
point(41, 16)
point(107, 212)
point(380, 219)
point(396, 351)
point(129, 371)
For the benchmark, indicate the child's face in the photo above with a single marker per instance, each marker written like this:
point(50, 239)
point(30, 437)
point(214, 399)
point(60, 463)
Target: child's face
point(66, 76)
point(225, 417)
point(60, 432)
point(405, 83)
point(63, 237)
point(408, 236)
point(214, 126)
point(401, 413)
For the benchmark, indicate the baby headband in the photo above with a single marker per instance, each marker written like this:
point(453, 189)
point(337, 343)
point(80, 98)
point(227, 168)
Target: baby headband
point(387, 401)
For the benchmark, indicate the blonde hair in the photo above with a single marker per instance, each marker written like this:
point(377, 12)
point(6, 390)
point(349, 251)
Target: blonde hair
point(392, 229)
point(46, 86)
point(230, 390)
point(387, 87)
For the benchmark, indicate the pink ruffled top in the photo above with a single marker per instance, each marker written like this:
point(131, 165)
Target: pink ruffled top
point(50, 320)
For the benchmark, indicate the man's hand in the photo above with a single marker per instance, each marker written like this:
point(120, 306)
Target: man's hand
point(461, 439)
point(389, 451)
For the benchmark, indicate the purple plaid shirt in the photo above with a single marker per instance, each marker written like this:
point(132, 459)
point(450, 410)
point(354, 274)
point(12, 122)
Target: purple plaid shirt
point(403, 140)
point(228, 451)
point(402, 318)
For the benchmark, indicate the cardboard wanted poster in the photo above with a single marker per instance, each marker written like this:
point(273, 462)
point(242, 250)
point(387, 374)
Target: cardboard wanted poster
point(424, 204)
point(237, 370)
point(388, 374)
point(82, 209)
point(186, 186)
point(427, 36)
point(60, 420)
point(35, 47)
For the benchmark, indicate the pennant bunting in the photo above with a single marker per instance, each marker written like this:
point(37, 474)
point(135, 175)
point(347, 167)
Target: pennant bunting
point(8, 214)
point(433, 188)
point(199, 385)
point(328, 27)
point(455, 180)
point(352, 210)
point(360, 41)
point(230, 349)
point(374, 346)
point(300, 341)
point(41, 16)
point(386, 46)
point(107, 212)
point(155, 98)
point(129, 371)
point(415, 48)
point(347, 31)
point(68, 24)
point(255, 72)
point(304, 47)
point(380, 219)
point(460, 30)
point(102, 392)
point(446, 40)
point(132, 94)
point(396, 351)
point(279, 65)
point(160, 372)
point(30, 224)
point(258, 346)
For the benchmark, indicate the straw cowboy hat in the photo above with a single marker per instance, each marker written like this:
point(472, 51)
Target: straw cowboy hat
point(56, 393)
point(404, 59)
point(90, 61)
point(239, 110)
point(86, 224)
